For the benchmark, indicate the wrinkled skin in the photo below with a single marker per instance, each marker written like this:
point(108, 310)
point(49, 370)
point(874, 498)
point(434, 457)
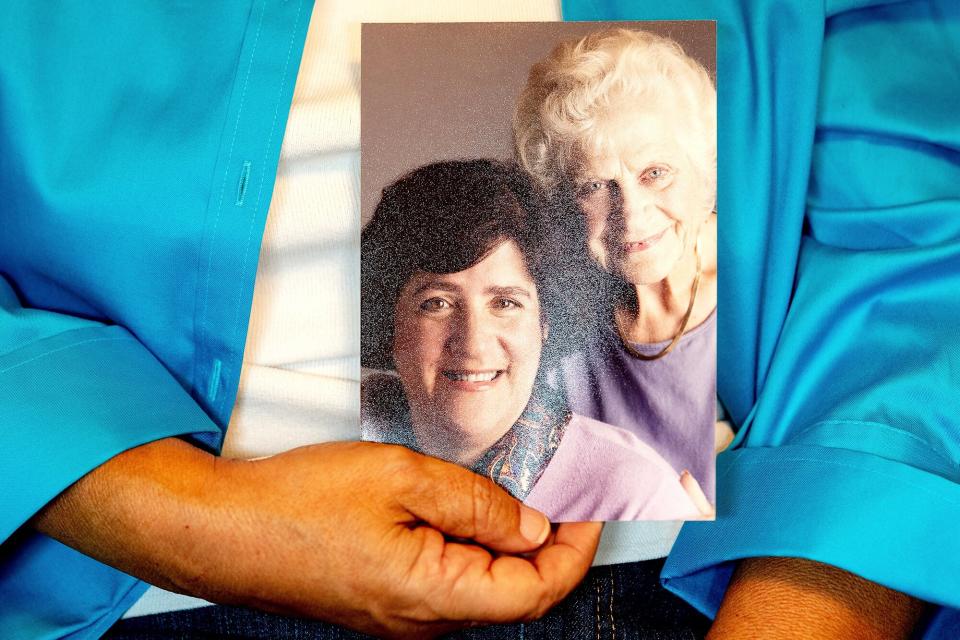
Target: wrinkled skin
point(359, 534)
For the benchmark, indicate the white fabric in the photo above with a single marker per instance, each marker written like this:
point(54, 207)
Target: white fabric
point(300, 381)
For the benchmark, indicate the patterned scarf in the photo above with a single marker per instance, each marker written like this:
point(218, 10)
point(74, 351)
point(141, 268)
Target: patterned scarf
point(515, 461)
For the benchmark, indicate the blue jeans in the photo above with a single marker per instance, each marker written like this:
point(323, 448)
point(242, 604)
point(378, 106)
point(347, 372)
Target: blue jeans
point(618, 602)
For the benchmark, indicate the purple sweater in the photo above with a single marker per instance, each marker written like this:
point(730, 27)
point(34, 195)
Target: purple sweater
point(669, 403)
point(597, 472)
point(601, 472)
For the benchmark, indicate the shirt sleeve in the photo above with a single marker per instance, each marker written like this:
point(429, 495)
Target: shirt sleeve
point(840, 262)
point(140, 145)
point(73, 394)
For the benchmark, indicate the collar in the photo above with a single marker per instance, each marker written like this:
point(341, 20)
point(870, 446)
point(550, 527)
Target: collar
point(515, 461)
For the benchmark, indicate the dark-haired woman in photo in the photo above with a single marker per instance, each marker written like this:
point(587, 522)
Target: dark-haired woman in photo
point(459, 299)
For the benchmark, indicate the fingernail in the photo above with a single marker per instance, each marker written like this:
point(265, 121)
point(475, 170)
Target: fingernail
point(534, 526)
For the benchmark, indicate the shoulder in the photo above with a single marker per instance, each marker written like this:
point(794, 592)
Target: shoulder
point(383, 407)
point(374, 385)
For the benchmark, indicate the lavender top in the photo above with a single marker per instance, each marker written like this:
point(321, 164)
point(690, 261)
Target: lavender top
point(596, 472)
point(669, 403)
point(601, 472)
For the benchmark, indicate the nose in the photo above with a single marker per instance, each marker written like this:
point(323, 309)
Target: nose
point(633, 206)
point(471, 335)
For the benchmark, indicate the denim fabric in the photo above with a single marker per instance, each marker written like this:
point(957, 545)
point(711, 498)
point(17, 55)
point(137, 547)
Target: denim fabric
point(616, 602)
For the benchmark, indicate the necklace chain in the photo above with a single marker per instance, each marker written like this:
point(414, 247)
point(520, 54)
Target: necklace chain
point(683, 325)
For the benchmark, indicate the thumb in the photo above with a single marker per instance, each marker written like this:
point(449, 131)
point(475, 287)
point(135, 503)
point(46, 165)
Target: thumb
point(462, 504)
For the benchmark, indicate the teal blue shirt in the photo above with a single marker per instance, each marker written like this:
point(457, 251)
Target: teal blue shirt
point(839, 291)
point(139, 144)
point(139, 149)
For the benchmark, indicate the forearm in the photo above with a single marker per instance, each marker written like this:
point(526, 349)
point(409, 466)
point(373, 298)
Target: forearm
point(792, 597)
point(145, 512)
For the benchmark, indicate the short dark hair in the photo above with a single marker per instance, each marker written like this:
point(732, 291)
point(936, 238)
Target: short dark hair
point(444, 218)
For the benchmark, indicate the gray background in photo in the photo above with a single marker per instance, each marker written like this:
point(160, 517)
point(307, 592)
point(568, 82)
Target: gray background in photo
point(434, 92)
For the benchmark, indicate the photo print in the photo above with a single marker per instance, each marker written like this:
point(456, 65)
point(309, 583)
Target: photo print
point(539, 258)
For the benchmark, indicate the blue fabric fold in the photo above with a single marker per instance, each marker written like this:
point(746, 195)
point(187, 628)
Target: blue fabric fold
point(838, 354)
point(140, 145)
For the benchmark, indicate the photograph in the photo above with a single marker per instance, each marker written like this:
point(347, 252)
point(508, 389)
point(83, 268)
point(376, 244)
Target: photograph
point(344, 320)
point(539, 258)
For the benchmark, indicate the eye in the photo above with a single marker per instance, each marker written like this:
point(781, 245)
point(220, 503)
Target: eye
point(434, 305)
point(506, 304)
point(591, 187)
point(655, 174)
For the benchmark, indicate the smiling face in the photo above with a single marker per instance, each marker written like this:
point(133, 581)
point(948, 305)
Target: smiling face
point(641, 195)
point(467, 348)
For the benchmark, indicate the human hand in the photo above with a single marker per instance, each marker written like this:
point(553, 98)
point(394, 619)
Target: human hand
point(696, 495)
point(372, 536)
point(723, 435)
point(391, 542)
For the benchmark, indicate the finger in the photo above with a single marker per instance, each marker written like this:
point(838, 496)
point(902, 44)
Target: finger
point(509, 588)
point(692, 487)
point(722, 435)
point(465, 505)
point(564, 563)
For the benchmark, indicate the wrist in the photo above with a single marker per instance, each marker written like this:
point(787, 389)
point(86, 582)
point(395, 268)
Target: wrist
point(211, 531)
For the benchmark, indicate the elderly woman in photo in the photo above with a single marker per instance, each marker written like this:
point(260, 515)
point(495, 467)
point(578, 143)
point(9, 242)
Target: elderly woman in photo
point(618, 129)
point(459, 300)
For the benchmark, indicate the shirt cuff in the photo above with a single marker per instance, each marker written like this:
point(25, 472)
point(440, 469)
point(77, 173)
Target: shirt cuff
point(889, 522)
point(71, 402)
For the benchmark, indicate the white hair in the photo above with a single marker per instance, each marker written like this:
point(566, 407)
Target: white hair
point(572, 89)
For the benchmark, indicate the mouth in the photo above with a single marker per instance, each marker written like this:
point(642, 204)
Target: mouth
point(476, 377)
point(643, 245)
